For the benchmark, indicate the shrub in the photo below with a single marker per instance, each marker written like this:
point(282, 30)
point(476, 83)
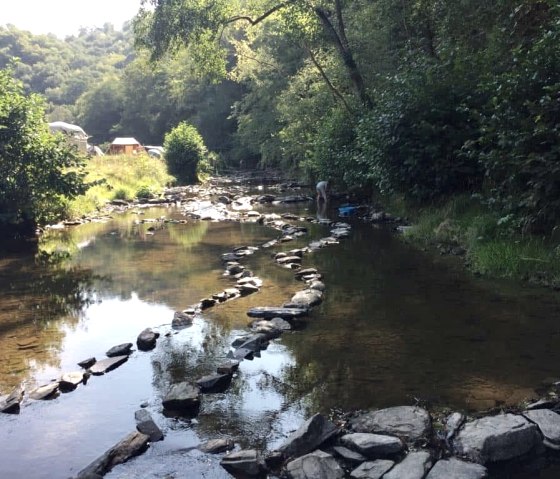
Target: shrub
point(184, 150)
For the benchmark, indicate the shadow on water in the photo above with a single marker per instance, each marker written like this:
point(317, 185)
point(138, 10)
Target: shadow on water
point(397, 327)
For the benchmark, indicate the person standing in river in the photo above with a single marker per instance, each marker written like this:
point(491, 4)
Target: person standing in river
point(322, 189)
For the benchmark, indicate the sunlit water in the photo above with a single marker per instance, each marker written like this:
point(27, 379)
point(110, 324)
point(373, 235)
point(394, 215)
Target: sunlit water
point(397, 326)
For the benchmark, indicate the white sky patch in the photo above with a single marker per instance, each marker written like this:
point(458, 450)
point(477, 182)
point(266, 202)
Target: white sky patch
point(66, 17)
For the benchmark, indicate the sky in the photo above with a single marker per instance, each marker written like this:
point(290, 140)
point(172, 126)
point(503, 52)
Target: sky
point(65, 17)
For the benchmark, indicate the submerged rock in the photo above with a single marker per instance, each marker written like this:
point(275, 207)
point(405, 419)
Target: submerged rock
point(146, 425)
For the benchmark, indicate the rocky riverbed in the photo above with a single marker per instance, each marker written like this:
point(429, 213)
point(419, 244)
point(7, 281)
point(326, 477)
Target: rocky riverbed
point(398, 442)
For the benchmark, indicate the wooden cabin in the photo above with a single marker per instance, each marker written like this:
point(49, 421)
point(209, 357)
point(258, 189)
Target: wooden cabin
point(125, 146)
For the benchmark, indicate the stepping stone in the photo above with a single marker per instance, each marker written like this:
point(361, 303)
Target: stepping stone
point(146, 425)
point(229, 367)
point(70, 381)
point(349, 456)
point(309, 436)
point(243, 463)
point(119, 350)
point(87, 363)
point(414, 466)
point(207, 303)
point(246, 289)
point(549, 424)
point(146, 340)
point(289, 260)
point(48, 391)
point(316, 465)
point(274, 312)
point(305, 299)
point(106, 365)
point(216, 446)
point(214, 383)
point(181, 320)
point(11, 405)
point(241, 353)
point(182, 397)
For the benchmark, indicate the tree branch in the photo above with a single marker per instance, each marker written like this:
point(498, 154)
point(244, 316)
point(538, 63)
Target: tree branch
point(264, 16)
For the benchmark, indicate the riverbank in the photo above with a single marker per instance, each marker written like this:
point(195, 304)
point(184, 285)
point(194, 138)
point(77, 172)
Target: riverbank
point(488, 244)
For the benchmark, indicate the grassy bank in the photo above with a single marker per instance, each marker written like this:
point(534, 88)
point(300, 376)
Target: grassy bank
point(119, 177)
point(491, 244)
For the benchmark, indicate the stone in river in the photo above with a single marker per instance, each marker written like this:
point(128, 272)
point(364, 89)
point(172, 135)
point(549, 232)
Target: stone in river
point(372, 445)
point(214, 383)
point(216, 446)
point(289, 259)
point(549, 424)
point(310, 435)
point(372, 469)
point(48, 391)
point(453, 468)
point(414, 466)
point(496, 438)
point(106, 365)
point(132, 445)
point(229, 367)
point(87, 363)
point(245, 463)
point(246, 289)
point(348, 455)
point(275, 312)
point(316, 465)
point(305, 299)
point(410, 423)
point(146, 425)
point(206, 303)
point(146, 340)
point(182, 397)
point(70, 381)
point(181, 320)
point(119, 350)
point(241, 353)
point(11, 404)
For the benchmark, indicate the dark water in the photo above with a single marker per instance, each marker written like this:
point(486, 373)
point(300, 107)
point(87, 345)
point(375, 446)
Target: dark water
point(398, 326)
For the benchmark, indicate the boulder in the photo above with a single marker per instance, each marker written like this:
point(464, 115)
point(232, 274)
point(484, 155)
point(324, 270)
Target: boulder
point(119, 350)
point(310, 435)
point(132, 445)
point(456, 469)
point(305, 299)
point(182, 397)
point(106, 365)
point(317, 285)
point(245, 463)
point(146, 340)
point(254, 343)
point(372, 445)
point(414, 466)
point(549, 424)
point(146, 425)
point(241, 353)
point(216, 446)
point(206, 303)
point(246, 289)
point(372, 469)
point(214, 383)
point(496, 438)
point(316, 465)
point(410, 423)
point(304, 272)
point(349, 456)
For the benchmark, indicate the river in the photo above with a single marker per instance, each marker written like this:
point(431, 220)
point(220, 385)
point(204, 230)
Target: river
point(398, 326)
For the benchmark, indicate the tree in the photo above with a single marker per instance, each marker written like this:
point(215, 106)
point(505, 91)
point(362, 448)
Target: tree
point(185, 152)
point(200, 25)
point(37, 169)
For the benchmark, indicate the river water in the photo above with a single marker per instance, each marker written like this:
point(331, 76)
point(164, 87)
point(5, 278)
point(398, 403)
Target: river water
point(398, 326)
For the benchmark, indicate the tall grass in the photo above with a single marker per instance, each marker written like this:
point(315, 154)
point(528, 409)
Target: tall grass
point(493, 246)
point(120, 177)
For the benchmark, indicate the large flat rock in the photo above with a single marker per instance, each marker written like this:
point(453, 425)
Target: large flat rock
point(182, 397)
point(496, 438)
point(372, 469)
point(410, 423)
point(455, 469)
point(245, 463)
point(108, 364)
point(372, 445)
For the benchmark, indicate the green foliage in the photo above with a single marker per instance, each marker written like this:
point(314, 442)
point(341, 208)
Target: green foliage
point(37, 169)
point(184, 151)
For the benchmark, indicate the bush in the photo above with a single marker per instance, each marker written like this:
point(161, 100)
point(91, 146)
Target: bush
point(38, 171)
point(184, 150)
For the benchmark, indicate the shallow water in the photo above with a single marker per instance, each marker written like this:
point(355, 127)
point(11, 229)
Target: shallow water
point(398, 326)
